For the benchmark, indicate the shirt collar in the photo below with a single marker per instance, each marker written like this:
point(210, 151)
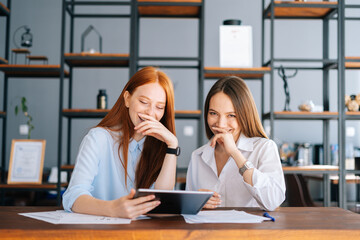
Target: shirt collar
point(134, 144)
point(244, 143)
point(207, 153)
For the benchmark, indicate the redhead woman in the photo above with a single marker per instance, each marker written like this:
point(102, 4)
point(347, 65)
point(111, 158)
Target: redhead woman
point(134, 146)
point(239, 163)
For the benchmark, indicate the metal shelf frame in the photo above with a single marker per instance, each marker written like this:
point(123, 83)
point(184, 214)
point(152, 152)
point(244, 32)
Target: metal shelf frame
point(327, 64)
point(5, 12)
point(77, 61)
point(193, 62)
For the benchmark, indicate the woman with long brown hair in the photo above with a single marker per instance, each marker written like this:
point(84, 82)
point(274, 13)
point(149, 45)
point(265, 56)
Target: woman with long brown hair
point(134, 146)
point(239, 163)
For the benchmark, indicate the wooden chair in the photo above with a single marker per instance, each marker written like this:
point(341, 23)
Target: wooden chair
point(297, 191)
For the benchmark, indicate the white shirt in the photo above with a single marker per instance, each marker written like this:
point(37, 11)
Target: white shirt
point(98, 170)
point(268, 191)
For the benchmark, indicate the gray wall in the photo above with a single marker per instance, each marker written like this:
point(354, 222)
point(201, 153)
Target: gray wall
point(168, 38)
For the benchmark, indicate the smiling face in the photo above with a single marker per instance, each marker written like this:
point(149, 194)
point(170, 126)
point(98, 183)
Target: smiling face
point(149, 99)
point(222, 115)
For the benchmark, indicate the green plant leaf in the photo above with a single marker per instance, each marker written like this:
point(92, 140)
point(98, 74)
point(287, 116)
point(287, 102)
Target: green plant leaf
point(16, 110)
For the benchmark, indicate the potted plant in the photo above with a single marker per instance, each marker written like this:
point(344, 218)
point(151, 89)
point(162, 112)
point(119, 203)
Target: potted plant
point(24, 108)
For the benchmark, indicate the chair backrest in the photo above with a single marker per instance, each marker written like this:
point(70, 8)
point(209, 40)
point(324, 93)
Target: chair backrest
point(297, 191)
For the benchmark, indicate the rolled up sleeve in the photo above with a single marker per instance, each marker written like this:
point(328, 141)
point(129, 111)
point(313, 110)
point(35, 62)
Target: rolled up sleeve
point(268, 179)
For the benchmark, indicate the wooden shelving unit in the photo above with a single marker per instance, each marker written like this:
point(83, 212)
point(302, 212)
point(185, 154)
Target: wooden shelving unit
point(352, 62)
point(4, 11)
point(352, 116)
point(5, 39)
point(288, 9)
point(324, 11)
point(245, 73)
point(311, 115)
point(303, 115)
point(167, 8)
point(100, 113)
point(97, 59)
point(314, 169)
point(3, 61)
point(38, 71)
point(187, 114)
point(164, 9)
point(43, 186)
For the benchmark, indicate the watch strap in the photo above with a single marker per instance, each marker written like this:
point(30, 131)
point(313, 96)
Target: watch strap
point(247, 165)
point(175, 151)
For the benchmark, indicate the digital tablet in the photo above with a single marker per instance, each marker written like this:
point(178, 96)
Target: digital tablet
point(176, 201)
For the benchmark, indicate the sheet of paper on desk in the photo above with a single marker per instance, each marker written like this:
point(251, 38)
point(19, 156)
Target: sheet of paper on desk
point(229, 216)
point(62, 217)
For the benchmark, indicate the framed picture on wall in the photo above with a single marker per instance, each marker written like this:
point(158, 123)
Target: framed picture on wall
point(26, 161)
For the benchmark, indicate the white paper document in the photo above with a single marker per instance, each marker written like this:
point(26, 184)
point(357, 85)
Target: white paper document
point(62, 217)
point(229, 216)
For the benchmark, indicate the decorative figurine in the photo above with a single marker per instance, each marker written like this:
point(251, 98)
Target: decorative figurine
point(352, 103)
point(358, 99)
point(307, 106)
point(282, 74)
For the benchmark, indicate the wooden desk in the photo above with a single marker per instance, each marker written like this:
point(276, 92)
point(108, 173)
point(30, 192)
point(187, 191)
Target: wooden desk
point(291, 223)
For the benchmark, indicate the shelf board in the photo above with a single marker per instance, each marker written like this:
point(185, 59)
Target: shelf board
point(4, 11)
point(303, 115)
point(311, 115)
point(85, 113)
point(44, 186)
point(2, 114)
point(17, 70)
point(167, 8)
point(67, 167)
point(245, 73)
point(97, 59)
point(352, 63)
point(350, 179)
point(352, 115)
point(311, 169)
point(285, 9)
point(3, 61)
point(100, 113)
point(184, 114)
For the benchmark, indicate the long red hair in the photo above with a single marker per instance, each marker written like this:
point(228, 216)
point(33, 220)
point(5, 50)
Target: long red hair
point(118, 119)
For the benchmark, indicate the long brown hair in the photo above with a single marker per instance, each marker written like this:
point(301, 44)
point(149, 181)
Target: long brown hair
point(244, 104)
point(118, 119)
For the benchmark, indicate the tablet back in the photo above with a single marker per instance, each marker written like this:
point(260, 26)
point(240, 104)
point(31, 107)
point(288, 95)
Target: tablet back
point(177, 201)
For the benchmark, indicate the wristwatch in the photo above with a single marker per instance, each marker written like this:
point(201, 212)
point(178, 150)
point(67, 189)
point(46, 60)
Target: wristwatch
point(175, 151)
point(246, 166)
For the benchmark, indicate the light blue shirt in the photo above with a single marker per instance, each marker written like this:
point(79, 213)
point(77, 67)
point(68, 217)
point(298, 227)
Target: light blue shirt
point(98, 170)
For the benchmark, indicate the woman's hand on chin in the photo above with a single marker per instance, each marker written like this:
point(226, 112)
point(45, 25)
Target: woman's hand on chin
point(225, 139)
point(154, 128)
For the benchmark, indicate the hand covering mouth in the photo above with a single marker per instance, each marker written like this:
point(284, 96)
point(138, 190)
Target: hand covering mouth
point(228, 129)
point(141, 119)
